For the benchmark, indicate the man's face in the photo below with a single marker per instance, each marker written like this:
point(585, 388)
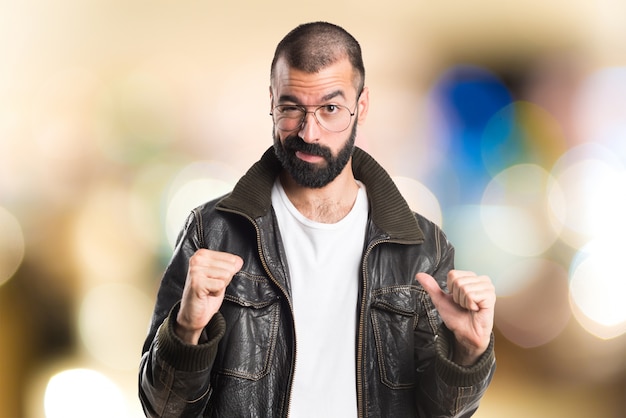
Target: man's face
point(312, 155)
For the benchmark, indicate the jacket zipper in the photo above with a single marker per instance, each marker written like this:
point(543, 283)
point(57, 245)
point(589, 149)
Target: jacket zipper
point(361, 335)
point(273, 279)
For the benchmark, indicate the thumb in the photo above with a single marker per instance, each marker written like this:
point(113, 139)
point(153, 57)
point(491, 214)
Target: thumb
point(430, 285)
point(238, 263)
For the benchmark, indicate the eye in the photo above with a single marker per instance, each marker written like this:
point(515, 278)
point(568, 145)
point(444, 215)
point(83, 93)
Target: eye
point(289, 110)
point(329, 109)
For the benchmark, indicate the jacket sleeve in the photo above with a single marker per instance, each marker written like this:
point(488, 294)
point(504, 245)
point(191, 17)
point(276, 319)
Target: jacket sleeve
point(174, 377)
point(446, 389)
point(462, 387)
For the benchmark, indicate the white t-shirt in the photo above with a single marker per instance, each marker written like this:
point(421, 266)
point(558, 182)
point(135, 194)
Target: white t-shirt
point(324, 265)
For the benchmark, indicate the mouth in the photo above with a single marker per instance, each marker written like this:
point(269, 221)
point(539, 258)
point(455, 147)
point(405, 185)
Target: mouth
point(309, 158)
point(306, 152)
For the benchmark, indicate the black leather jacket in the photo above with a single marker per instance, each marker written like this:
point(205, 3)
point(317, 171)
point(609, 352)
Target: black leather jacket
point(244, 366)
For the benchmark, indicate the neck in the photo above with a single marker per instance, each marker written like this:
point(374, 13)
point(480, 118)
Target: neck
point(328, 204)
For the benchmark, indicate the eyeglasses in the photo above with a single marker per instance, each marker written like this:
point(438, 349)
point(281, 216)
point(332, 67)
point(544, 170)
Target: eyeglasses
point(332, 117)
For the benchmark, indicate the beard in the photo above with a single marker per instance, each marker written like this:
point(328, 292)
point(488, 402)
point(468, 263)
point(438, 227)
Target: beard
point(307, 174)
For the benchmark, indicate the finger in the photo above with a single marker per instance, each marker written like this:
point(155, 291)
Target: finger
point(226, 263)
point(468, 290)
point(430, 285)
point(219, 257)
point(230, 261)
point(460, 285)
point(456, 275)
point(460, 273)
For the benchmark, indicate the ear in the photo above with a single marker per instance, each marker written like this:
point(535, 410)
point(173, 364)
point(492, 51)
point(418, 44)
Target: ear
point(271, 99)
point(363, 104)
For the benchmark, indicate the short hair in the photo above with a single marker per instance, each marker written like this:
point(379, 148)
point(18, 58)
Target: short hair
point(310, 47)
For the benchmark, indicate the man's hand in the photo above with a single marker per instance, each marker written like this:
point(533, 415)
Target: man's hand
point(467, 310)
point(209, 274)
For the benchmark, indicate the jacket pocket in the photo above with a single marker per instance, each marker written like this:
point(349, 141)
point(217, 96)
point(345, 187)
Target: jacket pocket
point(252, 315)
point(394, 319)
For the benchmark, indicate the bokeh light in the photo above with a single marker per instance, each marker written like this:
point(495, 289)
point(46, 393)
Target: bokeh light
point(522, 315)
point(195, 184)
point(79, 393)
point(597, 288)
point(108, 245)
point(521, 133)
point(466, 98)
point(137, 117)
point(590, 203)
point(479, 252)
point(600, 108)
point(514, 209)
point(420, 198)
point(11, 245)
point(12, 151)
point(112, 323)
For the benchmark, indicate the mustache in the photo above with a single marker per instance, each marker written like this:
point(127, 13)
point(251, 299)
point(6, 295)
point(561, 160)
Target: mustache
point(294, 143)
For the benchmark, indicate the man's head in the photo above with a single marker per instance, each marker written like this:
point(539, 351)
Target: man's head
point(313, 46)
point(317, 98)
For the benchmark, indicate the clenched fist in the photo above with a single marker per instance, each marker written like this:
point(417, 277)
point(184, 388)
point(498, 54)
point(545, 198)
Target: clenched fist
point(467, 310)
point(209, 274)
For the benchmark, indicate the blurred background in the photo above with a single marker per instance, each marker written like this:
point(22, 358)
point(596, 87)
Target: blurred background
point(504, 122)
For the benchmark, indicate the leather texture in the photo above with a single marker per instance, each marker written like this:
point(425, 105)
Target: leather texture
point(245, 365)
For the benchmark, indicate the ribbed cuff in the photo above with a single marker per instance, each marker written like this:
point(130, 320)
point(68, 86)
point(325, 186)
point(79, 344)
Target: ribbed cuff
point(188, 357)
point(454, 374)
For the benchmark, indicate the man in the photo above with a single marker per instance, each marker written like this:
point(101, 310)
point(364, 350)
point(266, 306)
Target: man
point(312, 289)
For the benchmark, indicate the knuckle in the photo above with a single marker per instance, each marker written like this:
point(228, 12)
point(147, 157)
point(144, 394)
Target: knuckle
point(197, 258)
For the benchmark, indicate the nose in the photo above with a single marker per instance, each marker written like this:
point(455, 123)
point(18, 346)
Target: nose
point(310, 128)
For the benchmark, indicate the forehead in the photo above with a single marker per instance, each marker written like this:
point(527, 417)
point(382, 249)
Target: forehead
point(336, 79)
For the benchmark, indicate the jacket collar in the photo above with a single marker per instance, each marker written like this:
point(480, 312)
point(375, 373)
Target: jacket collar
point(389, 211)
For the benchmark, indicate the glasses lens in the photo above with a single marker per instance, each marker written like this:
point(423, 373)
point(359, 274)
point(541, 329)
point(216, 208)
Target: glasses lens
point(288, 118)
point(335, 118)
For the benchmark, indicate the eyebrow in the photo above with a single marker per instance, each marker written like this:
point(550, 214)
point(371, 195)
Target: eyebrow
point(329, 96)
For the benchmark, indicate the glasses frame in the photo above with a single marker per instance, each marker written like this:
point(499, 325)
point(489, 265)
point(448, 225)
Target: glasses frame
point(314, 112)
